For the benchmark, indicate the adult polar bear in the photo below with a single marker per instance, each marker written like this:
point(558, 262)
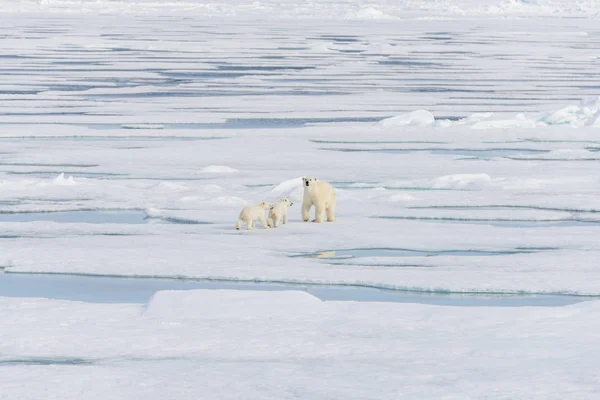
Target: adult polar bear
point(322, 196)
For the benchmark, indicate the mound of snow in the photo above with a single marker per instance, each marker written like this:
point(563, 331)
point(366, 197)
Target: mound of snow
point(590, 107)
point(367, 13)
point(291, 189)
point(460, 181)
point(418, 117)
point(61, 180)
point(475, 117)
point(570, 115)
point(444, 123)
point(218, 169)
point(153, 212)
point(519, 121)
point(587, 113)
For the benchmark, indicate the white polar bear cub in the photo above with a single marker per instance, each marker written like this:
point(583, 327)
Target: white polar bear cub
point(279, 211)
point(322, 196)
point(252, 213)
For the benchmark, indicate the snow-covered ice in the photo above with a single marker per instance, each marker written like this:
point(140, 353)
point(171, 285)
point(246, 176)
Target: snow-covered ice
point(419, 117)
point(462, 138)
point(257, 345)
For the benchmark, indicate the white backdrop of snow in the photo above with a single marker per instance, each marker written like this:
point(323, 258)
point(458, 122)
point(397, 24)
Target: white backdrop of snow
point(435, 156)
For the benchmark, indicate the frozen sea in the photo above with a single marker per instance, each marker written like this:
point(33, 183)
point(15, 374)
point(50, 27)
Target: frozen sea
point(463, 140)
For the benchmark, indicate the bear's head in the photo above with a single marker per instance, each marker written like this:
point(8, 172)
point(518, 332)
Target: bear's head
point(264, 205)
point(308, 182)
point(287, 201)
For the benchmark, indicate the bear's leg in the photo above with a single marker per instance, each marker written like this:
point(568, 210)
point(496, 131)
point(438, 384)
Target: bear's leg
point(238, 226)
point(306, 211)
point(276, 220)
point(285, 217)
point(331, 212)
point(319, 213)
point(263, 222)
point(270, 221)
point(250, 224)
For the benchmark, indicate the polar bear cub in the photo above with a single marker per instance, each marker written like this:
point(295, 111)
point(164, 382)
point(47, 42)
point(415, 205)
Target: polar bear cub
point(252, 213)
point(279, 211)
point(322, 196)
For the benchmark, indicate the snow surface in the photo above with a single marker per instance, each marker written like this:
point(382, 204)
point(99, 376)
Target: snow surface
point(227, 344)
point(351, 10)
point(462, 140)
point(218, 169)
point(419, 117)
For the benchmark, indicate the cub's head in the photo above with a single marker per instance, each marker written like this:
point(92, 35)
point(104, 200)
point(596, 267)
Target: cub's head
point(287, 201)
point(308, 182)
point(264, 205)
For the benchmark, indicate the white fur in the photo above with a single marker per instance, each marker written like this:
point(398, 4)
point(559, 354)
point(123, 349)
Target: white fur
point(279, 211)
point(322, 196)
point(253, 213)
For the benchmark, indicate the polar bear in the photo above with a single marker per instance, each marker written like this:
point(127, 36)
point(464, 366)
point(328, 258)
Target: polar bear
point(322, 196)
point(279, 211)
point(252, 213)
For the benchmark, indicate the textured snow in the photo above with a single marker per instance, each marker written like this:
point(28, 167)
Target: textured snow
point(460, 181)
point(419, 117)
point(62, 180)
point(586, 113)
point(223, 344)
